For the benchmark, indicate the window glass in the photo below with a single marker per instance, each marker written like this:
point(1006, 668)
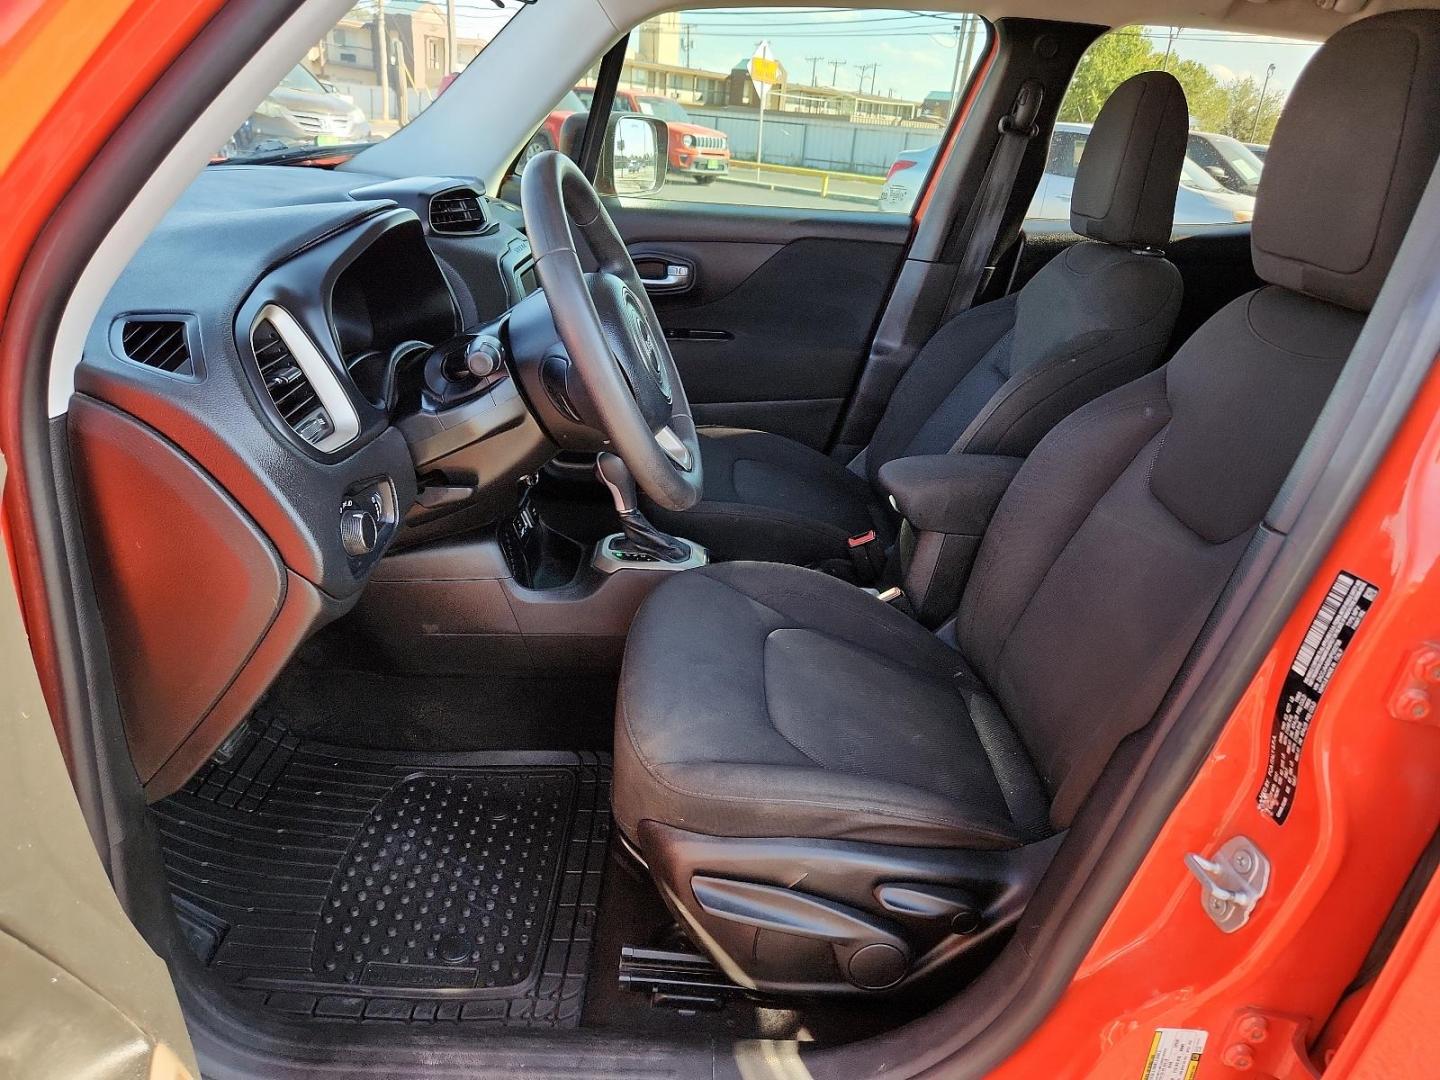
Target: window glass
point(360, 83)
point(855, 102)
point(1235, 86)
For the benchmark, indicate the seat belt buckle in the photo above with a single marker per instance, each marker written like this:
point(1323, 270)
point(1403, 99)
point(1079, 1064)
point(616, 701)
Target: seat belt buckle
point(865, 554)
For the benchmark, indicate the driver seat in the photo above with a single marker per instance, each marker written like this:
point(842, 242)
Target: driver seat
point(994, 379)
point(834, 800)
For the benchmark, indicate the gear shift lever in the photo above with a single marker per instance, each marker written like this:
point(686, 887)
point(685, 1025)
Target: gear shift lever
point(641, 537)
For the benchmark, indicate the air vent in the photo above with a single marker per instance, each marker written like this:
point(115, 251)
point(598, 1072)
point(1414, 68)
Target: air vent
point(163, 344)
point(288, 386)
point(458, 211)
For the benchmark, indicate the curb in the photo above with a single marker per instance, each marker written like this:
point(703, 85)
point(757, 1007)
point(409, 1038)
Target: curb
point(796, 189)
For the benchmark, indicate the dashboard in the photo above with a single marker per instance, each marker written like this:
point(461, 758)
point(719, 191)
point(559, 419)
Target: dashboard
point(264, 408)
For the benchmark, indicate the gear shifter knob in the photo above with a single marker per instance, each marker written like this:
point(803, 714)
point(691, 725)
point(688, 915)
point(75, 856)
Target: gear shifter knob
point(615, 475)
point(641, 537)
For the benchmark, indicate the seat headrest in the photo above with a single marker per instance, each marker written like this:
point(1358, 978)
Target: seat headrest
point(1125, 185)
point(1350, 158)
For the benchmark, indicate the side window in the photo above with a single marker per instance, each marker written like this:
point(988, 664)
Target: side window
point(1236, 86)
point(835, 109)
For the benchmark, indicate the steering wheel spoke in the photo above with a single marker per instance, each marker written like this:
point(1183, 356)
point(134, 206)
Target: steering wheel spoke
point(675, 448)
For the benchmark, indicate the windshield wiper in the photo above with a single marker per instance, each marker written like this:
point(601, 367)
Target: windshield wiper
point(292, 154)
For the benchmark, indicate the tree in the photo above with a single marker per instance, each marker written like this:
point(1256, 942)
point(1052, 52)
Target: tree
point(1106, 64)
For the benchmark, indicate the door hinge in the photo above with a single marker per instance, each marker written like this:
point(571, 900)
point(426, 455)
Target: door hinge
point(1231, 881)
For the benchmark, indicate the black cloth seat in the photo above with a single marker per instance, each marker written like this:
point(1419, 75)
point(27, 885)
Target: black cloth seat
point(767, 701)
point(994, 379)
point(766, 495)
point(811, 709)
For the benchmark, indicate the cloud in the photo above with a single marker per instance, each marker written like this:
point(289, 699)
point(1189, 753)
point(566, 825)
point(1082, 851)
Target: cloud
point(1223, 73)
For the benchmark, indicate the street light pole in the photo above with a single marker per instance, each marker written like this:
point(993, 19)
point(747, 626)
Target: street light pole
point(1260, 105)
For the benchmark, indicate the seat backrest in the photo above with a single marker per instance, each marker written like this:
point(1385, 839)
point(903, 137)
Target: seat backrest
point(995, 379)
point(1120, 532)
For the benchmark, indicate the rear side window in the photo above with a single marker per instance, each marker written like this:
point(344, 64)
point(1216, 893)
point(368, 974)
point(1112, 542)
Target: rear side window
point(1236, 86)
point(824, 108)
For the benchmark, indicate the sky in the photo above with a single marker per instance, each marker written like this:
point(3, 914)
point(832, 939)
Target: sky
point(915, 51)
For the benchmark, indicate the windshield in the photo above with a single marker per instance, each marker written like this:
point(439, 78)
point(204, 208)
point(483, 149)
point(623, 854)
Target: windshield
point(664, 108)
point(300, 79)
point(1241, 159)
point(350, 88)
point(1192, 175)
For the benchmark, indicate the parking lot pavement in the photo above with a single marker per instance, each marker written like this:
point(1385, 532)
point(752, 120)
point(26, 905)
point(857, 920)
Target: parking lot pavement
point(788, 190)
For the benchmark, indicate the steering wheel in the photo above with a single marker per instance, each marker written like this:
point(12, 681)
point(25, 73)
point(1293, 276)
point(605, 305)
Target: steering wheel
point(609, 328)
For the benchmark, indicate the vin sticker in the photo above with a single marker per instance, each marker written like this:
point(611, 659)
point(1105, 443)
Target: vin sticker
point(1346, 604)
point(1174, 1054)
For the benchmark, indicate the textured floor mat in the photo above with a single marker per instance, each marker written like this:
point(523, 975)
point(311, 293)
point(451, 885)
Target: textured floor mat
point(376, 885)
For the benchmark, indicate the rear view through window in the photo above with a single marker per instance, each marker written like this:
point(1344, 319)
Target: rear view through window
point(1235, 86)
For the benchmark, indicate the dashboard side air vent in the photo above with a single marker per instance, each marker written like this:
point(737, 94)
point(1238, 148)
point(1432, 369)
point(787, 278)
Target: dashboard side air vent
point(289, 388)
point(458, 212)
point(300, 382)
point(163, 344)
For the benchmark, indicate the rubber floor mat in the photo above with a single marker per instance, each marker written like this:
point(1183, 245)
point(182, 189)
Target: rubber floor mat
point(369, 885)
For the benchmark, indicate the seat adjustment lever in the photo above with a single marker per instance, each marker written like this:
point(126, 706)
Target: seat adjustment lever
point(870, 953)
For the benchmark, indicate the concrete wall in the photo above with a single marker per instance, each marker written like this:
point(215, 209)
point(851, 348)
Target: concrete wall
point(817, 142)
point(368, 98)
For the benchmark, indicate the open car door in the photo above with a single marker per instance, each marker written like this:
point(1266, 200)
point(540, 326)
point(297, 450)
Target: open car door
point(81, 994)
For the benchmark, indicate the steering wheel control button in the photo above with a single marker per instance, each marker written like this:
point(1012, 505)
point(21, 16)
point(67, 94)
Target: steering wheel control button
point(359, 532)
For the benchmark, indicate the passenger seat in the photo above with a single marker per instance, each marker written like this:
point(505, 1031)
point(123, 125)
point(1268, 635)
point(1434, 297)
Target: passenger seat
point(993, 380)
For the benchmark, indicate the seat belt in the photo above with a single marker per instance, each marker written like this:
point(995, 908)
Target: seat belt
point(1017, 128)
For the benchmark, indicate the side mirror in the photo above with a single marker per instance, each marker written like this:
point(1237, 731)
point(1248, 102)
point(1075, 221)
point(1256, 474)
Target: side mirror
point(635, 155)
point(1216, 171)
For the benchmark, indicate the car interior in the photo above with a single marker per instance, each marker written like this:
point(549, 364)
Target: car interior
point(557, 614)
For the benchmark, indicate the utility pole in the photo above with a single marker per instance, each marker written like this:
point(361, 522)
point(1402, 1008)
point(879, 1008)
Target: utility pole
point(959, 65)
point(687, 41)
point(1169, 44)
point(382, 59)
point(835, 66)
point(813, 61)
point(450, 51)
point(972, 29)
point(1260, 105)
point(865, 69)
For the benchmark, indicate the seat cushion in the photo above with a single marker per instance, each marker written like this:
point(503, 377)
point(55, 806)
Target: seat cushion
point(768, 497)
point(764, 700)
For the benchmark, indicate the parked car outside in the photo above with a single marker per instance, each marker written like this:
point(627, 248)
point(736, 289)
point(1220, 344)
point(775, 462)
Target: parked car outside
point(300, 111)
point(1227, 159)
point(695, 150)
point(1258, 149)
point(1199, 200)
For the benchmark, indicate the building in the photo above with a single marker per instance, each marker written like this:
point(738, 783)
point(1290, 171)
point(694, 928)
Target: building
point(661, 40)
point(826, 101)
point(348, 55)
point(937, 104)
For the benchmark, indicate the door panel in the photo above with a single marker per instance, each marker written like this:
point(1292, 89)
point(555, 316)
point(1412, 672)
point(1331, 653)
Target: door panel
point(81, 994)
point(775, 325)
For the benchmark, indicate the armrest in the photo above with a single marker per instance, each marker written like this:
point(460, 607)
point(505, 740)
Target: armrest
point(949, 493)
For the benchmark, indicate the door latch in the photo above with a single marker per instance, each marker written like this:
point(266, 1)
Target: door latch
point(1232, 881)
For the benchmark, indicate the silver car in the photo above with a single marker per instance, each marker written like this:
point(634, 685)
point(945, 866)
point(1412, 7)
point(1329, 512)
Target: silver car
point(1199, 200)
point(301, 111)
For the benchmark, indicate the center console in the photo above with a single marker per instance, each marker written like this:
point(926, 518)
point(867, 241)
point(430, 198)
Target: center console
point(517, 596)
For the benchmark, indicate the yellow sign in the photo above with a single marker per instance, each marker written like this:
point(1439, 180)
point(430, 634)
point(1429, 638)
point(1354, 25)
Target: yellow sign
point(764, 70)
